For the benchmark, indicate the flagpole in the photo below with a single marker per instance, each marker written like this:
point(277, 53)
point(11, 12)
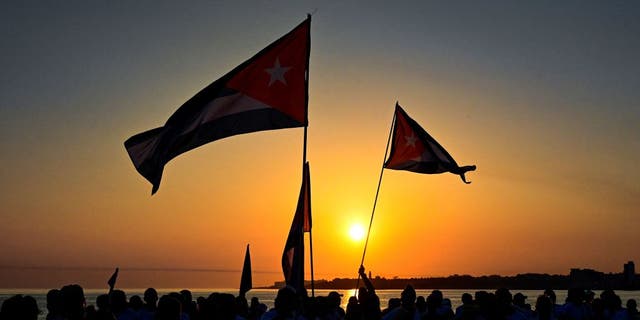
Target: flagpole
point(304, 152)
point(304, 160)
point(313, 289)
point(375, 201)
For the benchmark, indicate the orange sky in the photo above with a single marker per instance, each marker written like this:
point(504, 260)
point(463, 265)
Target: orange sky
point(555, 142)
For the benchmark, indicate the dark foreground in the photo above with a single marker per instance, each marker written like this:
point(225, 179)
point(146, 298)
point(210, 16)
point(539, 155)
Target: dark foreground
point(69, 303)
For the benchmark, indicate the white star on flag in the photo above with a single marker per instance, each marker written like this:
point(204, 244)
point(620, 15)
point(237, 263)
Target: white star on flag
point(277, 73)
point(411, 140)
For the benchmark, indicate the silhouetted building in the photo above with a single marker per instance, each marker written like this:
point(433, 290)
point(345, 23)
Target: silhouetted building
point(629, 273)
point(586, 278)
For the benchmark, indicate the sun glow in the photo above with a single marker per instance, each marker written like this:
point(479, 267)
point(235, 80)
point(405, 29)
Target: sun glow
point(356, 232)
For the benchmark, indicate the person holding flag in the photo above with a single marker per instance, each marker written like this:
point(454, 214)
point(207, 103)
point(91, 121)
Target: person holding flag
point(413, 149)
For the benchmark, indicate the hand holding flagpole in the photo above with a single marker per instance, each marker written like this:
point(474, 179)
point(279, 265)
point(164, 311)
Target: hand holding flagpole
point(375, 201)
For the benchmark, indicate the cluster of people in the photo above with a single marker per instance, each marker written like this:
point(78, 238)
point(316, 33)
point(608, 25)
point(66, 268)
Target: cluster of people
point(499, 305)
point(502, 305)
point(68, 303)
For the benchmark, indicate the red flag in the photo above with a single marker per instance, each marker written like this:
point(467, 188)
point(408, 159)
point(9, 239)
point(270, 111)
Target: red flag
point(413, 149)
point(293, 255)
point(268, 91)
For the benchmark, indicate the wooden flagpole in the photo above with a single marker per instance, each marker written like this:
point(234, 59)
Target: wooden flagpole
point(375, 201)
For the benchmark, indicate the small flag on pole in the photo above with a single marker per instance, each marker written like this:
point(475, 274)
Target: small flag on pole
point(246, 283)
point(112, 280)
point(413, 149)
point(293, 255)
point(268, 91)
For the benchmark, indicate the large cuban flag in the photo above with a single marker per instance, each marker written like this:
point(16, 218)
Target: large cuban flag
point(268, 91)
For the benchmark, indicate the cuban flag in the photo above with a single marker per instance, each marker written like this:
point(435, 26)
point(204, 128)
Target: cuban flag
point(413, 149)
point(293, 253)
point(268, 91)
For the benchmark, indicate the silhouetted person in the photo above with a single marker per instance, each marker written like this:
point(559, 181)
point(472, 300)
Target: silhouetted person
point(285, 305)
point(222, 306)
point(445, 310)
point(434, 305)
point(391, 304)
point(354, 309)
point(150, 298)
point(504, 300)
point(368, 299)
point(557, 308)
point(632, 310)
point(103, 304)
point(544, 309)
point(616, 312)
point(468, 310)
point(11, 308)
point(179, 297)
point(73, 302)
point(241, 306)
point(487, 304)
point(421, 304)
point(334, 299)
point(407, 309)
point(103, 311)
point(169, 308)
point(574, 307)
point(135, 303)
point(522, 310)
point(19, 307)
point(54, 305)
point(256, 309)
point(206, 308)
point(120, 307)
point(438, 307)
point(188, 305)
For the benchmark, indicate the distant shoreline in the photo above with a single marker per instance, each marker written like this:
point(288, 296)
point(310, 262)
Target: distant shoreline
point(578, 278)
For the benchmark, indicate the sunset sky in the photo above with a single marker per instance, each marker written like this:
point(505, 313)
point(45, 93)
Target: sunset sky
point(543, 97)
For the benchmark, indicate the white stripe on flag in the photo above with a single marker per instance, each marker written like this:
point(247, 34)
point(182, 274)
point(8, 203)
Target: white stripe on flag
point(224, 106)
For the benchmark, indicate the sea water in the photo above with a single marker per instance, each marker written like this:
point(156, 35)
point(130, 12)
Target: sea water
point(267, 296)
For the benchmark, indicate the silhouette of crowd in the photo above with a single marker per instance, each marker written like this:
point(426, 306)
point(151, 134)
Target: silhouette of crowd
point(68, 303)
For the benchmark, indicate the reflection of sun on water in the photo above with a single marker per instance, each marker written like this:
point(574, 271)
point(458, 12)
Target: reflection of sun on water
point(356, 232)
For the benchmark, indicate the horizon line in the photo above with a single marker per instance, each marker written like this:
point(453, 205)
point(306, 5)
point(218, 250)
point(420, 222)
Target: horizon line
point(135, 269)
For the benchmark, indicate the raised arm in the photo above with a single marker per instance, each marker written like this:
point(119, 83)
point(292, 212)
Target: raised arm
point(366, 280)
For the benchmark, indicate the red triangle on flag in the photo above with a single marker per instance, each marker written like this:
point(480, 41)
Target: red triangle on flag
point(277, 77)
point(408, 146)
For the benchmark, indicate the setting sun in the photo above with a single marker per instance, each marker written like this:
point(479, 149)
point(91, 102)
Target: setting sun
point(356, 232)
